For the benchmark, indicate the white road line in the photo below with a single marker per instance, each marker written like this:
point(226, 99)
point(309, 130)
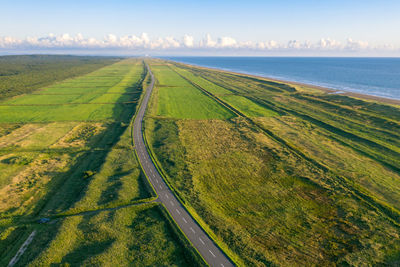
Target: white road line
point(172, 203)
point(184, 219)
point(160, 186)
point(222, 265)
point(191, 229)
point(166, 195)
point(201, 240)
point(212, 253)
point(157, 181)
point(178, 211)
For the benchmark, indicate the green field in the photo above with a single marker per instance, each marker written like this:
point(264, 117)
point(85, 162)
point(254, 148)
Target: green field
point(295, 178)
point(79, 99)
point(25, 74)
point(176, 98)
point(66, 154)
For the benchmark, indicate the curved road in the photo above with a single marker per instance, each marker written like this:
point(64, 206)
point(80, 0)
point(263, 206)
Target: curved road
point(206, 247)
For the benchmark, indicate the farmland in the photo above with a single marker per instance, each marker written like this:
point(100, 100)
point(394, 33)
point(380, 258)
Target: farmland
point(25, 74)
point(293, 176)
point(66, 154)
point(179, 99)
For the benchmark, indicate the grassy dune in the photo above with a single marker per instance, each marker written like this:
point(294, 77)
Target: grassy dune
point(66, 153)
point(295, 178)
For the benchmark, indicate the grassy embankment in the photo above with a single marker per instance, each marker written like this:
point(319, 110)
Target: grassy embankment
point(66, 153)
point(279, 175)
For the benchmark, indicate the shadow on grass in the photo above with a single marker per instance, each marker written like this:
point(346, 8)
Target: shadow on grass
point(71, 187)
point(111, 192)
point(80, 254)
point(89, 248)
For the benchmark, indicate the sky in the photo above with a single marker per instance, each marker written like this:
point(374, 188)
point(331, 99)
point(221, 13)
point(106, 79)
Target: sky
point(203, 27)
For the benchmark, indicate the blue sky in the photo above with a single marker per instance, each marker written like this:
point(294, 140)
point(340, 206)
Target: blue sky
point(252, 26)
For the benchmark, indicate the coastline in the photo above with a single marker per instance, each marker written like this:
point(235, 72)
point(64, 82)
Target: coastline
point(365, 97)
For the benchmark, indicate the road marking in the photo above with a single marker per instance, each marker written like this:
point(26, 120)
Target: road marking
point(172, 203)
point(212, 253)
point(222, 265)
point(166, 196)
point(178, 211)
point(160, 186)
point(192, 230)
point(201, 240)
point(184, 219)
point(157, 181)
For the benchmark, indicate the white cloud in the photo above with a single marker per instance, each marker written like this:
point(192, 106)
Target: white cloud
point(188, 40)
point(186, 43)
point(227, 42)
point(356, 45)
point(328, 44)
point(208, 42)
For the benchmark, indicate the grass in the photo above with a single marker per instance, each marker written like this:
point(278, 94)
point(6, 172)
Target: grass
point(181, 100)
point(137, 236)
point(118, 181)
point(25, 74)
point(300, 178)
point(248, 107)
point(76, 112)
point(74, 163)
point(238, 102)
point(78, 99)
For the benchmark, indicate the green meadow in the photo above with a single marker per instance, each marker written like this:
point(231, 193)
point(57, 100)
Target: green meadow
point(28, 73)
point(90, 98)
point(66, 154)
point(176, 98)
point(294, 177)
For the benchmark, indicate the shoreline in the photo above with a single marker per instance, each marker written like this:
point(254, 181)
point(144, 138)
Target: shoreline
point(365, 97)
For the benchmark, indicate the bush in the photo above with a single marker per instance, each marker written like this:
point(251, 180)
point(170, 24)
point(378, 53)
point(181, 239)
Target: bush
point(87, 174)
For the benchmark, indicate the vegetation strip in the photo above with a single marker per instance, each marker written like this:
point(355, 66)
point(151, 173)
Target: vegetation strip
point(74, 104)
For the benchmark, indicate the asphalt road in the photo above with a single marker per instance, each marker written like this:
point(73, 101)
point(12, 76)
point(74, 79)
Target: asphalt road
point(206, 247)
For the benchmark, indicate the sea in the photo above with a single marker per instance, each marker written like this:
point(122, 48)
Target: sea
point(371, 76)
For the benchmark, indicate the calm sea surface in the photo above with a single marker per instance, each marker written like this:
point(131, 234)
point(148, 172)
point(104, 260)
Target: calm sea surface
point(373, 76)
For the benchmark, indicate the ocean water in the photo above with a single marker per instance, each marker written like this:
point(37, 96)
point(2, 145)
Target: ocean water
point(372, 76)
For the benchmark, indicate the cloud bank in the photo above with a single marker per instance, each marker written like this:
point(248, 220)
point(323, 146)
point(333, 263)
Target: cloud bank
point(187, 43)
